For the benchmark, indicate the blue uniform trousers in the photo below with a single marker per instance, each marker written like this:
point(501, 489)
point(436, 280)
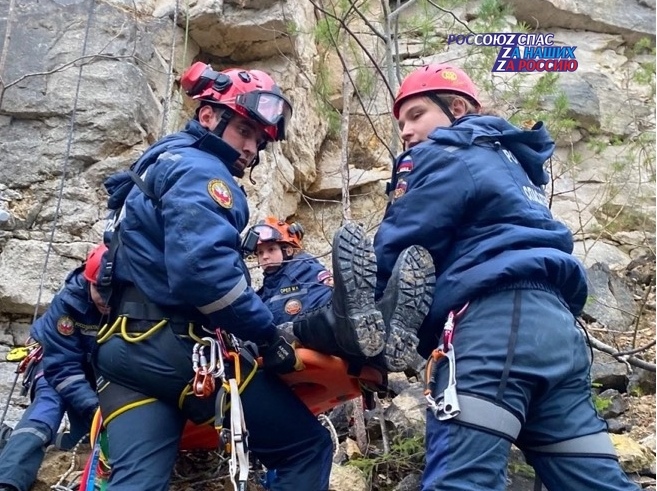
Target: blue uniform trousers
point(23, 454)
point(143, 441)
point(522, 371)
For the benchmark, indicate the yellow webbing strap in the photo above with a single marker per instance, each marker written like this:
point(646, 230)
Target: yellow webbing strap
point(121, 322)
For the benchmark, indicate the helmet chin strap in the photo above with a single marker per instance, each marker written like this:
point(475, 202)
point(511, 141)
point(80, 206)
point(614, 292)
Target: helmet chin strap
point(255, 162)
point(440, 103)
point(218, 131)
point(286, 254)
point(226, 114)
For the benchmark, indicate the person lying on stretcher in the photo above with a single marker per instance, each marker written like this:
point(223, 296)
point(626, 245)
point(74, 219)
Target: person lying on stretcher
point(337, 315)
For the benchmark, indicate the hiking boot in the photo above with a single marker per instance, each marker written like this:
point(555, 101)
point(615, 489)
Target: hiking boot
point(314, 330)
point(405, 303)
point(360, 329)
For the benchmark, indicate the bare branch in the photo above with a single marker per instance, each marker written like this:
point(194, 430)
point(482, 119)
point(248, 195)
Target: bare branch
point(636, 350)
point(88, 59)
point(347, 91)
point(644, 302)
point(467, 28)
point(358, 41)
point(376, 32)
point(624, 356)
point(345, 67)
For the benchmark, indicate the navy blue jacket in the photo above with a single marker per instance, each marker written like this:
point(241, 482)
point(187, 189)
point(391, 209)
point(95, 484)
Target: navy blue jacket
point(296, 288)
point(472, 194)
point(67, 332)
point(182, 248)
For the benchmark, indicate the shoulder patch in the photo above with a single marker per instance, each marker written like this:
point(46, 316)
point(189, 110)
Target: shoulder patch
point(220, 192)
point(325, 277)
point(406, 165)
point(293, 306)
point(399, 191)
point(65, 326)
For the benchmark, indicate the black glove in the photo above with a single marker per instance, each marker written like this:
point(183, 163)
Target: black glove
point(281, 357)
point(286, 331)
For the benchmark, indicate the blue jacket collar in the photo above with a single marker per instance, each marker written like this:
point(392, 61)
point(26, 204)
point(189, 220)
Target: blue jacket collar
point(212, 144)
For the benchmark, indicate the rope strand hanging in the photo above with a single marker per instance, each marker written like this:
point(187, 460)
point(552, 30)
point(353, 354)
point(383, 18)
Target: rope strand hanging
point(167, 100)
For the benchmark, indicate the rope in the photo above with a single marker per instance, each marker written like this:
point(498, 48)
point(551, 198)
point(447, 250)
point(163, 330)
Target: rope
point(167, 100)
point(184, 63)
point(328, 424)
point(60, 486)
point(60, 193)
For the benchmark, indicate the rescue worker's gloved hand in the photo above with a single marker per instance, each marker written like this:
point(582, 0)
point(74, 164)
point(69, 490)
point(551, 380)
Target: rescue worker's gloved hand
point(280, 357)
point(286, 331)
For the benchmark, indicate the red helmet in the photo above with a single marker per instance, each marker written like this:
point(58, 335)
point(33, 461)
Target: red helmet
point(250, 93)
point(436, 77)
point(271, 229)
point(92, 264)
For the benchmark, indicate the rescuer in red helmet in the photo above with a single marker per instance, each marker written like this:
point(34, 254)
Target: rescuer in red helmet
point(507, 362)
point(173, 267)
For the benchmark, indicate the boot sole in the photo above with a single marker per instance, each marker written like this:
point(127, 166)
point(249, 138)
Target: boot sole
point(413, 295)
point(356, 265)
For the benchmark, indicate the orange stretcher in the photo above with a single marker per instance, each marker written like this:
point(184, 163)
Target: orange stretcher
point(322, 385)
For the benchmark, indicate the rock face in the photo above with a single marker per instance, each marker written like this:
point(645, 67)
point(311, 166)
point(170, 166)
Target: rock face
point(633, 19)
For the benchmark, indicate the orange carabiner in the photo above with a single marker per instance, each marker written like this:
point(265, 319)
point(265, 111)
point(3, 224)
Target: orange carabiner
point(203, 384)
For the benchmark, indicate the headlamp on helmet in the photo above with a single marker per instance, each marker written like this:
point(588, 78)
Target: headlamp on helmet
point(272, 229)
point(252, 94)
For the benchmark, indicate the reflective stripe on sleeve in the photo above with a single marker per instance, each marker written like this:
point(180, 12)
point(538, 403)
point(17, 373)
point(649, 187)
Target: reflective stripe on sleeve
point(68, 381)
point(32, 431)
point(595, 444)
point(227, 299)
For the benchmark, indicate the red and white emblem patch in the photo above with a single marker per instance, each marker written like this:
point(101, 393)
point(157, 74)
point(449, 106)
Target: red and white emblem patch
point(220, 192)
point(293, 307)
point(65, 326)
point(325, 277)
point(399, 191)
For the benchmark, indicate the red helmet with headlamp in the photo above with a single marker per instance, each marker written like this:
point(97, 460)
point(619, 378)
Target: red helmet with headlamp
point(250, 93)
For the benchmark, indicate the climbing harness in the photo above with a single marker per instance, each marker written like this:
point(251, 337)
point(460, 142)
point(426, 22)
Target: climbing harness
point(447, 406)
point(96, 467)
point(207, 370)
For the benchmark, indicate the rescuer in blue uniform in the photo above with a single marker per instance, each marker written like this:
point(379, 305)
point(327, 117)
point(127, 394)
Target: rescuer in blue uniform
point(294, 282)
point(62, 381)
point(175, 266)
point(470, 188)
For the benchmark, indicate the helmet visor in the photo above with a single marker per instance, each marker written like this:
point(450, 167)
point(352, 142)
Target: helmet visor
point(268, 108)
point(267, 233)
